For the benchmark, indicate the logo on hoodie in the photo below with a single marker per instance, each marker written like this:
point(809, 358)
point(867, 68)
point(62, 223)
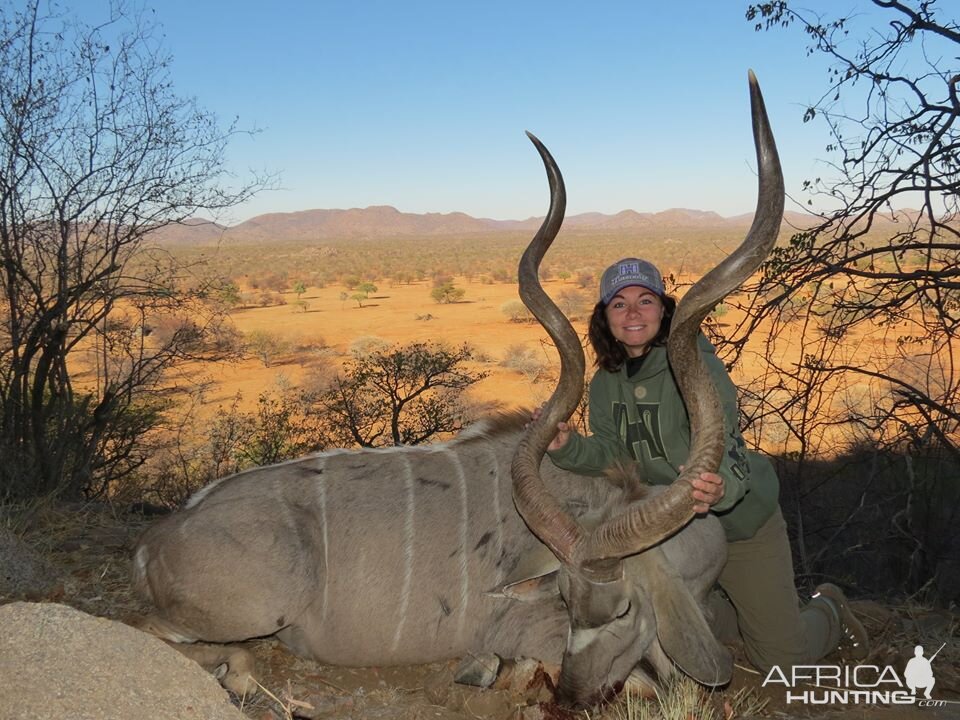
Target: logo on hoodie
point(642, 432)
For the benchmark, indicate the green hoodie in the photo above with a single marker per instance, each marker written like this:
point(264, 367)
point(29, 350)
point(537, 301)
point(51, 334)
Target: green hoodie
point(643, 419)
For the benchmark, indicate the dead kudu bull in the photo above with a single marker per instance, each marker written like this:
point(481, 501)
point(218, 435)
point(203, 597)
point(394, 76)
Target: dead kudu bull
point(412, 555)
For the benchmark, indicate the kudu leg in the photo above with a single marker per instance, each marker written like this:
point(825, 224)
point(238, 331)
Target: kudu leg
point(237, 665)
point(233, 666)
point(488, 670)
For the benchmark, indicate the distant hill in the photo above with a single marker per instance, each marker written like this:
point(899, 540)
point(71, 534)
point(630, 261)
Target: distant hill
point(379, 221)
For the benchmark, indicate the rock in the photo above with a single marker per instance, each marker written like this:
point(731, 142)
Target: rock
point(57, 662)
point(529, 679)
point(23, 572)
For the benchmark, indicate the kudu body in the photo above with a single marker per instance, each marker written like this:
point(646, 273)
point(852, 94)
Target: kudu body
point(377, 557)
point(408, 555)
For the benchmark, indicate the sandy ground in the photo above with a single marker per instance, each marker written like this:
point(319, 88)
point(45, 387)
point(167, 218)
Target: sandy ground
point(400, 314)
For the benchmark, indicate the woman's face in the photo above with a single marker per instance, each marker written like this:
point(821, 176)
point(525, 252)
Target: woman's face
point(634, 316)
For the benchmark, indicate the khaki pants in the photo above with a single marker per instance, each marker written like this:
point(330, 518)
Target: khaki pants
point(758, 580)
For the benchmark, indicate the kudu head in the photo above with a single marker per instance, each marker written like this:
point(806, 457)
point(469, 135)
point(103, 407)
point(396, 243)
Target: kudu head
point(609, 630)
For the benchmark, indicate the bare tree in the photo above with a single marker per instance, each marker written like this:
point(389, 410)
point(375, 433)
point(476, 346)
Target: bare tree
point(862, 304)
point(398, 396)
point(96, 153)
point(891, 109)
point(199, 448)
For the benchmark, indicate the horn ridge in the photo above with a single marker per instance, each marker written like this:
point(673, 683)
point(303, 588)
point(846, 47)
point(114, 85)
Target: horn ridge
point(555, 527)
point(744, 261)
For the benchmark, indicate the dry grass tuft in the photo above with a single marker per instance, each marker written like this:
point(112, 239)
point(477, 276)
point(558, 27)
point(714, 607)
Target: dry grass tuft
point(896, 629)
point(89, 544)
point(684, 699)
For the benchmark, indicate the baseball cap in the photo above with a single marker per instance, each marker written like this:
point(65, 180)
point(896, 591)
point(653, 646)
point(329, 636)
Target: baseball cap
point(627, 272)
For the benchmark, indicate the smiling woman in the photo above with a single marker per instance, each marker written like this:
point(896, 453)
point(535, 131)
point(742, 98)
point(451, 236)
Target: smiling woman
point(637, 415)
point(635, 306)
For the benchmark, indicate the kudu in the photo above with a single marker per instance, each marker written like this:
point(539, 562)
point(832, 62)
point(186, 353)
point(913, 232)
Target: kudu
point(416, 554)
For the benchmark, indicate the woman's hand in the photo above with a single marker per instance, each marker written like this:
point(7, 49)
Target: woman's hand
point(563, 430)
point(707, 491)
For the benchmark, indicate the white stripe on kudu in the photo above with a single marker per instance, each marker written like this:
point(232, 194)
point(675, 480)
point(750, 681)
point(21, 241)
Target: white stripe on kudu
point(322, 502)
point(464, 541)
point(498, 516)
point(408, 548)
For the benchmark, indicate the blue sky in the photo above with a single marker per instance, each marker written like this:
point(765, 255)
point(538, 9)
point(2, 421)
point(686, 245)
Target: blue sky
point(423, 104)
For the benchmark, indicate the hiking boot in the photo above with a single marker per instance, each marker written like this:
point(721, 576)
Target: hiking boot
point(854, 636)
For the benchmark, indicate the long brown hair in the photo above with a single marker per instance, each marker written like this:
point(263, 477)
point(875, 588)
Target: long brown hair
point(609, 352)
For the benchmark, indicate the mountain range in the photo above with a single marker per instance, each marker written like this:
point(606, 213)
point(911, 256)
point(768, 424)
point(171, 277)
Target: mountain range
point(379, 221)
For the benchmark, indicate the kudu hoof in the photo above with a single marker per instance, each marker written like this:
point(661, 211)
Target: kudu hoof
point(478, 670)
point(236, 673)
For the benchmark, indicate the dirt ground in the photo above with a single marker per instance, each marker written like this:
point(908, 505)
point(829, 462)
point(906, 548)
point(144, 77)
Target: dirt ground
point(90, 547)
point(400, 314)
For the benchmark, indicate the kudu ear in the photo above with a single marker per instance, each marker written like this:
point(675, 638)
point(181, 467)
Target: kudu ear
point(682, 629)
point(542, 587)
point(534, 578)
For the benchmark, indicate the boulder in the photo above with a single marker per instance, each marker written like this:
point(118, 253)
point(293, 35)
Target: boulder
point(23, 572)
point(57, 662)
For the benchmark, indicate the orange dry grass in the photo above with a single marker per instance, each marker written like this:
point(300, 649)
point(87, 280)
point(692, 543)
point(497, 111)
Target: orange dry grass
point(396, 315)
point(404, 314)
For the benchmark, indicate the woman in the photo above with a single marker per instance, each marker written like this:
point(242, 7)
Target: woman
point(637, 415)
